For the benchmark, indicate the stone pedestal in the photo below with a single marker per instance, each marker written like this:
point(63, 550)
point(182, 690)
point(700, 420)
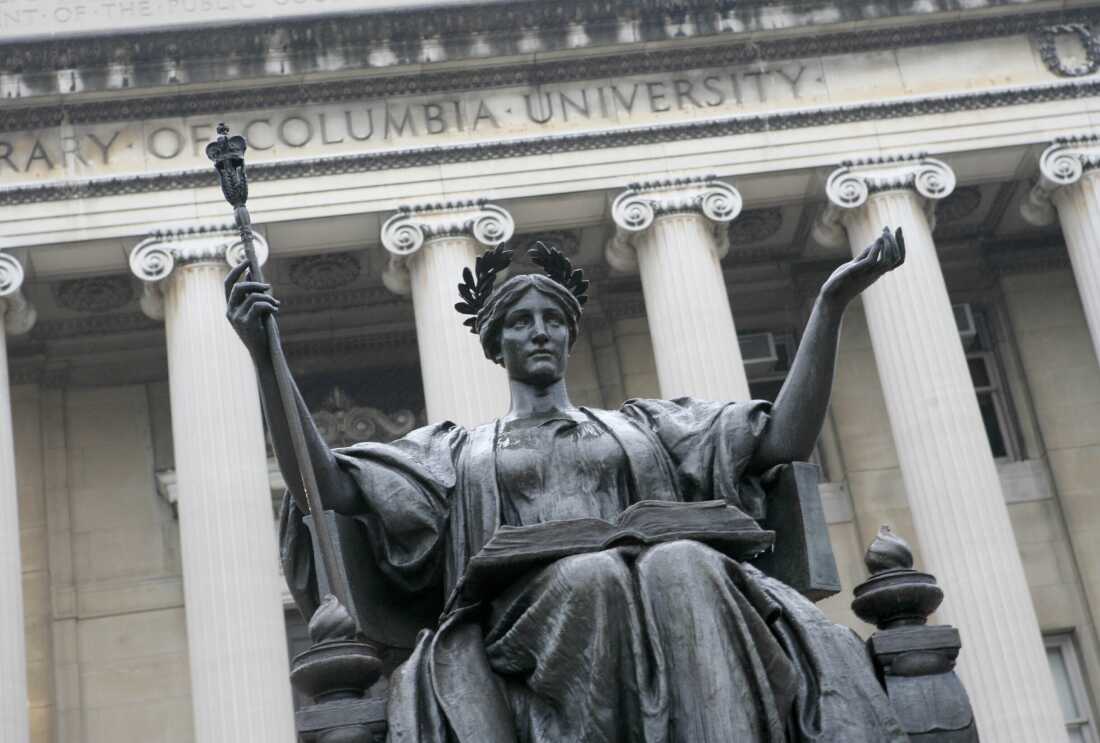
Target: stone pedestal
point(16, 316)
point(1069, 184)
point(674, 233)
point(947, 466)
point(429, 248)
point(236, 634)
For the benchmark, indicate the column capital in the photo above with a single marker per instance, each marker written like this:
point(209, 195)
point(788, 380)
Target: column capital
point(17, 311)
point(850, 185)
point(405, 233)
point(1062, 164)
point(155, 258)
point(635, 209)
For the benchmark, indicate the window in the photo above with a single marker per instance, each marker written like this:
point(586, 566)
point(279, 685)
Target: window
point(985, 372)
point(1070, 685)
point(767, 358)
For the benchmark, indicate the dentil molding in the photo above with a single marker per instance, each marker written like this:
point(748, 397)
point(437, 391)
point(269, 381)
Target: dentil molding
point(405, 233)
point(850, 185)
point(636, 208)
point(155, 258)
point(1062, 164)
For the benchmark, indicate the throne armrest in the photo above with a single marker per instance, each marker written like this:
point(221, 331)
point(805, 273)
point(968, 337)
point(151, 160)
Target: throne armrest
point(803, 555)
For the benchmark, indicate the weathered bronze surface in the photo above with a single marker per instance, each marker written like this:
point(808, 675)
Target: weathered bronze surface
point(657, 629)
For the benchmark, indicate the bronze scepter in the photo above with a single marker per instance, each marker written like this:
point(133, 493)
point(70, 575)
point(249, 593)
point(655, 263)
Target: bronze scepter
point(227, 154)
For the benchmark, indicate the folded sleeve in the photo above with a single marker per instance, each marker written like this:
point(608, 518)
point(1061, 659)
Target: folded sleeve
point(710, 444)
point(404, 496)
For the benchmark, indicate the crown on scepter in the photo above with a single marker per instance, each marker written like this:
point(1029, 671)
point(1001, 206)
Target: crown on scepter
point(227, 154)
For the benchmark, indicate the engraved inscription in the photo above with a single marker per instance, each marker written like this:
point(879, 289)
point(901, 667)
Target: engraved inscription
point(165, 144)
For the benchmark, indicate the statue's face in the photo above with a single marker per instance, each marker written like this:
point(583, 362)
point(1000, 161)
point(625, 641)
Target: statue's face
point(534, 340)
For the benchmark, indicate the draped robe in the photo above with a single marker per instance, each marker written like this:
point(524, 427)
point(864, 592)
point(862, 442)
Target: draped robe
point(431, 500)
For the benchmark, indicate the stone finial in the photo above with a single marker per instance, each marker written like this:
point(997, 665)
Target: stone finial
point(18, 313)
point(1061, 164)
point(404, 234)
point(888, 552)
point(635, 209)
point(895, 594)
point(154, 258)
point(850, 185)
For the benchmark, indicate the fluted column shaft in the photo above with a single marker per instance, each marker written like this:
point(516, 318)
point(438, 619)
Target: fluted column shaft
point(430, 247)
point(235, 628)
point(947, 466)
point(460, 384)
point(14, 721)
point(1079, 212)
point(675, 235)
point(1069, 183)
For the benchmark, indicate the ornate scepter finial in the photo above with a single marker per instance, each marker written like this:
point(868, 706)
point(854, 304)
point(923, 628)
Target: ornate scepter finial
point(227, 154)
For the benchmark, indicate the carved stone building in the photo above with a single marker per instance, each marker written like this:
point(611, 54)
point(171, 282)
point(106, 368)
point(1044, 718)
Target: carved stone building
point(706, 162)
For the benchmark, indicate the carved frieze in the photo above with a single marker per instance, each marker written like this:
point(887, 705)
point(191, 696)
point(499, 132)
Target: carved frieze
point(962, 203)
point(1055, 60)
point(343, 422)
point(552, 144)
point(325, 271)
point(94, 294)
point(567, 241)
point(755, 226)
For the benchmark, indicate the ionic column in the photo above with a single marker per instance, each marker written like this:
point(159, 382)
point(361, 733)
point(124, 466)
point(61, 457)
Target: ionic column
point(946, 463)
point(236, 635)
point(1069, 182)
point(429, 247)
point(674, 233)
point(18, 316)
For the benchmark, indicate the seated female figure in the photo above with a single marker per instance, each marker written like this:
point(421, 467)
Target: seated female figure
point(677, 641)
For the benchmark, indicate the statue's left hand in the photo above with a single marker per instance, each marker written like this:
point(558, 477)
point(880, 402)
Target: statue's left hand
point(883, 255)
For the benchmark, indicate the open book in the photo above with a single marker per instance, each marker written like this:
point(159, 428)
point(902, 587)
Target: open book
point(513, 550)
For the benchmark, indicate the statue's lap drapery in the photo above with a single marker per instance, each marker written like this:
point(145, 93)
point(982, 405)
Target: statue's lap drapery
point(676, 642)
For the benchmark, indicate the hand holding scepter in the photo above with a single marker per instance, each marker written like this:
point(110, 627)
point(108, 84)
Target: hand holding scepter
point(227, 154)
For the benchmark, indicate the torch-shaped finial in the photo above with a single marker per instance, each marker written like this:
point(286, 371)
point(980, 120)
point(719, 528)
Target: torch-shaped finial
point(227, 154)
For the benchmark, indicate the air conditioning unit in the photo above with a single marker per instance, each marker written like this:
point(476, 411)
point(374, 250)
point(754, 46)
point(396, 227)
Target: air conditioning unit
point(964, 321)
point(758, 352)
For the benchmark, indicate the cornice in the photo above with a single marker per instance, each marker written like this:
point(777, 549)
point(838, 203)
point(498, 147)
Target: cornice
point(552, 144)
point(180, 102)
point(298, 35)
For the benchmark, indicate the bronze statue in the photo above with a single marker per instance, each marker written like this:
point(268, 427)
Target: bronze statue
point(626, 639)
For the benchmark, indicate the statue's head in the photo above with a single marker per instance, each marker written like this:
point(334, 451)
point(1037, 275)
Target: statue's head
point(527, 318)
point(529, 323)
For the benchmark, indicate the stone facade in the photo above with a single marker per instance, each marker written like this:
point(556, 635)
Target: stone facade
point(362, 118)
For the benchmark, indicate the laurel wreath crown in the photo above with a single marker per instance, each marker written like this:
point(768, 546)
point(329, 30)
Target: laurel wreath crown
point(477, 285)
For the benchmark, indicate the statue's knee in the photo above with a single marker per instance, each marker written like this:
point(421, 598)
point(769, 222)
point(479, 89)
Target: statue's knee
point(598, 573)
point(673, 561)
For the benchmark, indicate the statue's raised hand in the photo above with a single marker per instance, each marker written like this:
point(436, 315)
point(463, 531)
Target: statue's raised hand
point(883, 255)
point(248, 303)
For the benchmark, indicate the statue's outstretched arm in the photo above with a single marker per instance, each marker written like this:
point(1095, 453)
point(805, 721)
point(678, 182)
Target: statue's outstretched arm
point(248, 302)
point(799, 409)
